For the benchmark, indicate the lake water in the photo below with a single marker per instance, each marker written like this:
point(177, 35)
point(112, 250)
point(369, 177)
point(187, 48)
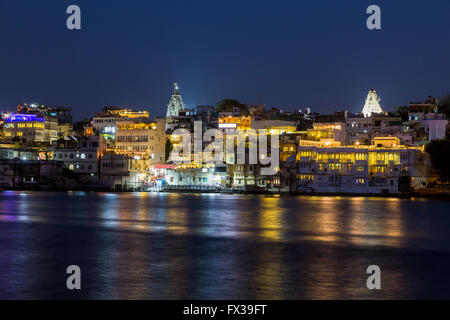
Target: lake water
point(221, 246)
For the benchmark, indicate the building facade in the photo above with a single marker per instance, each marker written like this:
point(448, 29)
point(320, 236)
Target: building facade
point(385, 167)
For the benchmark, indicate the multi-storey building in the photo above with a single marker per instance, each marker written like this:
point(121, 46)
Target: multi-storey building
point(384, 167)
point(62, 114)
point(105, 121)
point(326, 132)
point(31, 128)
point(430, 105)
point(81, 155)
point(429, 126)
point(141, 139)
point(229, 121)
point(124, 173)
point(360, 130)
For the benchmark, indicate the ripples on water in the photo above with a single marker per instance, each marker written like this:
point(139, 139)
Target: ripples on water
point(219, 246)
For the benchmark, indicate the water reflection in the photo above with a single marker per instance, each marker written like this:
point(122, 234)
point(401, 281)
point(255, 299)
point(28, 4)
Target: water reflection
point(271, 214)
point(170, 246)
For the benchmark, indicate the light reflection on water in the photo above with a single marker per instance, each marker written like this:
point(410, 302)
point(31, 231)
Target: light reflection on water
point(156, 245)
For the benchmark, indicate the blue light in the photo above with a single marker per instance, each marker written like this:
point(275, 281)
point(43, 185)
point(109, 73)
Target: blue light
point(24, 117)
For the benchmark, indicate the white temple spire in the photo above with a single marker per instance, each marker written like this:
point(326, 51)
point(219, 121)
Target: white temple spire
point(372, 104)
point(176, 103)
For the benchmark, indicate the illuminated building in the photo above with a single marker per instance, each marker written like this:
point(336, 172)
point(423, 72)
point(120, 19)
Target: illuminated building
point(80, 155)
point(360, 130)
point(106, 120)
point(372, 104)
point(125, 112)
point(275, 126)
point(31, 128)
point(384, 167)
point(142, 139)
point(176, 103)
point(65, 129)
point(124, 173)
point(178, 116)
point(191, 177)
point(326, 132)
point(62, 114)
point(234, 122)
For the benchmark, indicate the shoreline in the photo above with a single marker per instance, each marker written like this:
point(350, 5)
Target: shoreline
point(442, 195)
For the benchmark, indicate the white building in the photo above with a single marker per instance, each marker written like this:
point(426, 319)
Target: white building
point(175, 104)
point(81, 155)
point(197, 177)
point(434, 124)
point(372, 104)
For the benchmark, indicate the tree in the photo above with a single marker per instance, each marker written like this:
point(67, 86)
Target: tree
point(439, 151)
point(401, 109)
point(169, 147)
point(444, 105)
point(227, 105)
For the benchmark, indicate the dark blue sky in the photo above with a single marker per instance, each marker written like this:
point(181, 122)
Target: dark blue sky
point(296, 53)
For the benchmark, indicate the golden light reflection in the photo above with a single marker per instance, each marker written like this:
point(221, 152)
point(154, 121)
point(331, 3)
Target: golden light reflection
point(268, 276)
point(176, 217)
point(142, 212)
point(323, 223)
point(326, 220)
point(357, 224)
point(376, 223)
point(394, 227)
point(271, 218)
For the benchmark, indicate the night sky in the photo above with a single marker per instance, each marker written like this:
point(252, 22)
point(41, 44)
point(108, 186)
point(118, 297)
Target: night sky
point(296, 53)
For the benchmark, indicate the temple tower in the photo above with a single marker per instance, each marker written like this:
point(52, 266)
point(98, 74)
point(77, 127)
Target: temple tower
point(175, 104)
point(372, 104)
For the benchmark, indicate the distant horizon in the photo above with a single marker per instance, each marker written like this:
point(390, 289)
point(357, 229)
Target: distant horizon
point(152, 115)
